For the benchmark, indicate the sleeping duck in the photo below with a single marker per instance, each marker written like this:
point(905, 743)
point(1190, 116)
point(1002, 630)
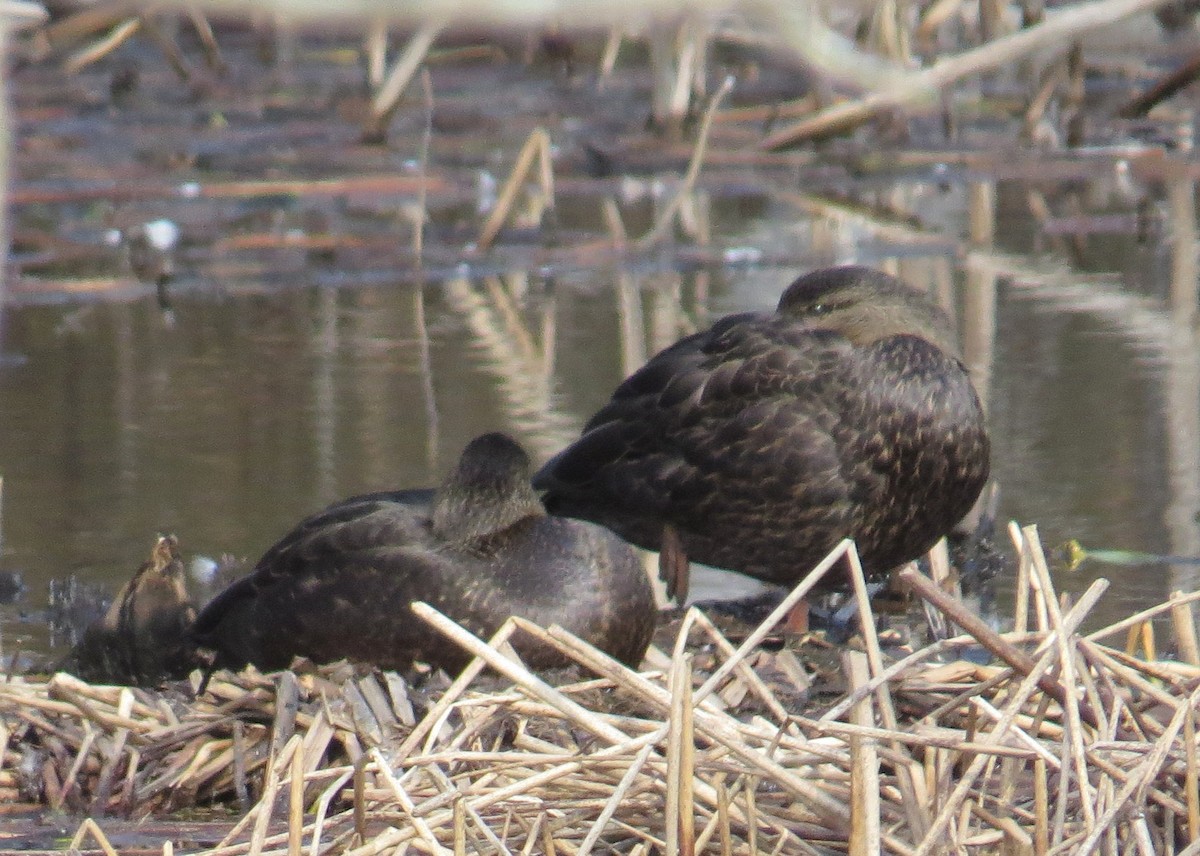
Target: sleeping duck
point(758, 444)
point(479, 548)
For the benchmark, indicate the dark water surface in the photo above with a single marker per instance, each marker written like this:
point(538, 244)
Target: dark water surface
point(285, 378)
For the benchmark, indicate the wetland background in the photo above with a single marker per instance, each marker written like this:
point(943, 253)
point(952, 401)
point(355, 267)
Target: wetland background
point(304, 350)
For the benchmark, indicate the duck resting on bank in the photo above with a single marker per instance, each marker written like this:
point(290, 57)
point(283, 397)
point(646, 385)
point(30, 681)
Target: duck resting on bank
point(142, 639)
point(479, 548)
point(758, 444)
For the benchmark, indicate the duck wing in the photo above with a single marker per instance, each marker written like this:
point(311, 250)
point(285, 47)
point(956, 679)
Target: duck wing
point(720, 424)
point(358, 526)
point(356, 533)
point(763, 442)
point(338, 585)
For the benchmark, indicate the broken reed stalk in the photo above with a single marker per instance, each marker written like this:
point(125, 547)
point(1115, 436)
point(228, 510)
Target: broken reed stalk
point(296, 804)
point(1017, 700)
point(511, 768)
point(916, 88)
point(666, 217)
point(799, 593)
point(712, 726)
point(1140, 780)
point(375, 50)
point(933, 838)
point(1070, 701)
point(166, 44)
point(387, 99)
point(618, 794)
point(1144, 615)
point(537, 145)
point(436, 714)
point(406, 803)
point(864, 776)
point(90, 827)
point(419, 216)
point(909, 777)
point(746, 674)
point(519, 675)
point(208, 40)
point(1191, 779)
point(680, 813)
point(975, 626)
point(96, 51)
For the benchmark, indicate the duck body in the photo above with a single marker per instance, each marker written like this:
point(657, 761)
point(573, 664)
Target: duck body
point(766, 439)
point(479, 549)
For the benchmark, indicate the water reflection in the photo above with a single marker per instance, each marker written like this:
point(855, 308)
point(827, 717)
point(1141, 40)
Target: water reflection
point(257, 407)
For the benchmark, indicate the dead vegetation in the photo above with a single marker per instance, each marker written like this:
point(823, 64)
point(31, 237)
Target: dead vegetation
point(1072, 746)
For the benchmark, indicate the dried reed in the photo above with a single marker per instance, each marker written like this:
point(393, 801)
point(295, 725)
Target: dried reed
point(1068, 745)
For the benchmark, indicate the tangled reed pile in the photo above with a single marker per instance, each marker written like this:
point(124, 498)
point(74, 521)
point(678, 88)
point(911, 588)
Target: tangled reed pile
point(1068, 746)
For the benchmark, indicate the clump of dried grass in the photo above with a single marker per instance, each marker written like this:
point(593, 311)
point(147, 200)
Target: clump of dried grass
point(1070, 746)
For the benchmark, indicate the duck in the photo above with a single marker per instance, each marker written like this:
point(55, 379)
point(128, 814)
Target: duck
point(760, 443)
point(142, 638)
point(479, 548)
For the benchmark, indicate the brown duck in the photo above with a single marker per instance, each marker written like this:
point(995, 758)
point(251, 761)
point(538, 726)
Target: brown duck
point(758, 444)
point(479, 549)
point(142, 638)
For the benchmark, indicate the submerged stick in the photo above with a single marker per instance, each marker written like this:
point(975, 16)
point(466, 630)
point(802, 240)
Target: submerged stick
point(1163, 89)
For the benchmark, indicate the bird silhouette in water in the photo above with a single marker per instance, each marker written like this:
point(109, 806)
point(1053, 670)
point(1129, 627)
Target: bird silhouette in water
point(758, 444)
point(479, 548)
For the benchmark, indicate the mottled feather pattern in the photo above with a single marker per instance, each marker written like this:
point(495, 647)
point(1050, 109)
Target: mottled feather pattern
point(479, 549)
point(769, 437)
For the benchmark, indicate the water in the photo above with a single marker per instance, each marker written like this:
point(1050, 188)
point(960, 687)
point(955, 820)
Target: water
point(287, 374)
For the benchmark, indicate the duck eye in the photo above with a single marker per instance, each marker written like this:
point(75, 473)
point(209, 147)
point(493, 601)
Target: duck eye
point(819, 309)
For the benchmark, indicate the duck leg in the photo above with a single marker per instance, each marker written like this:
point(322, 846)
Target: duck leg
point(673, 565)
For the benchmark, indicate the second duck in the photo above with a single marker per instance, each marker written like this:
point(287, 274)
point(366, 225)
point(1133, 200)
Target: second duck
point(479, 549)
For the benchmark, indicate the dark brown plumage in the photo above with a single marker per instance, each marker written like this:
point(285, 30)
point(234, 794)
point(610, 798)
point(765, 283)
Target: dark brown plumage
point(479, 549)
point(142, 638)
point(758, 444)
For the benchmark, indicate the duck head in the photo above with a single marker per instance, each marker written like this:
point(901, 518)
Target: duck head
point(866, 305)
point(486, 493)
